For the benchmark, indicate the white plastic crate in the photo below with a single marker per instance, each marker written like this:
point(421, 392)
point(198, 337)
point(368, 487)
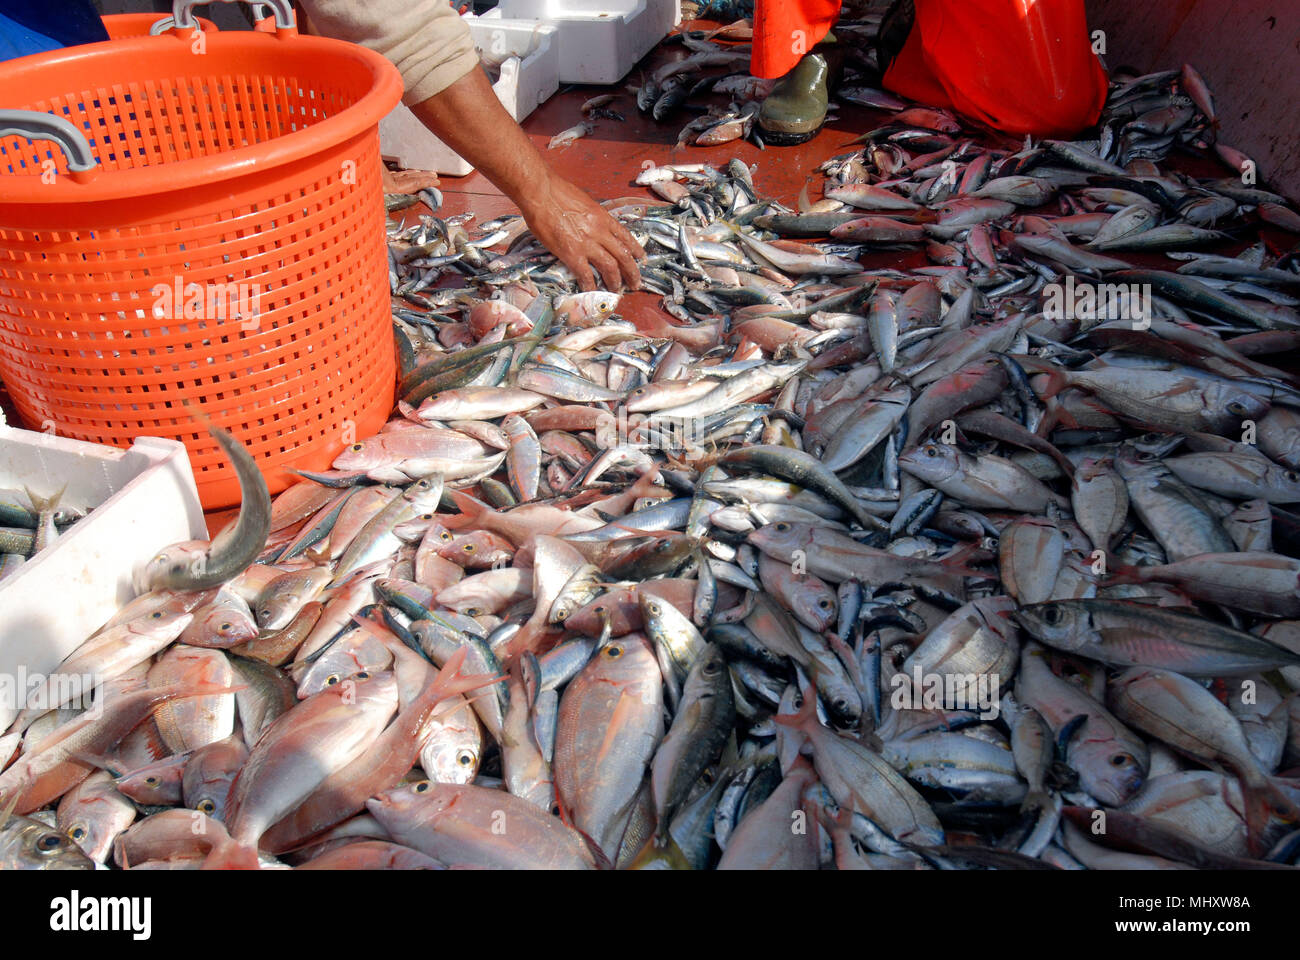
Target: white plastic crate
point(599, 40)
point(530, 75)
point(143, 498)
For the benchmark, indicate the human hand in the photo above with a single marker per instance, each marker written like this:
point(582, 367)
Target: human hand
point(408, 181)
point(583, 235)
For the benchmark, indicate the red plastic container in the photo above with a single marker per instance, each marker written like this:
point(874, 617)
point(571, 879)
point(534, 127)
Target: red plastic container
point(1019, 66)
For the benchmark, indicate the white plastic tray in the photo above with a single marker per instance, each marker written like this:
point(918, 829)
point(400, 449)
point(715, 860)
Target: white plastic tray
point(143, 498)
point(529, 77)
point(599, 40)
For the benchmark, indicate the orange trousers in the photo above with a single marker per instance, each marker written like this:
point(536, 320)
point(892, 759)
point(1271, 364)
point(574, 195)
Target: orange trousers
point(1019, 66)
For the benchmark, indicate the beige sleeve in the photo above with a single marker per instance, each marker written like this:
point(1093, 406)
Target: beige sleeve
point(425, 39)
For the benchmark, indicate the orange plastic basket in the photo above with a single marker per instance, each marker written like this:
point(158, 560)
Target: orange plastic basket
point(245, 164)
point(122, 26)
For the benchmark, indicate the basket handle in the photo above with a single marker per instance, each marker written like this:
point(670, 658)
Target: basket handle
point(35, 125)
point(183, 13)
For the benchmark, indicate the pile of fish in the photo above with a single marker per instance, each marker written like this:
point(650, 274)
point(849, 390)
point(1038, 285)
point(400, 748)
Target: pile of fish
point(28, 524)
point(990, 562)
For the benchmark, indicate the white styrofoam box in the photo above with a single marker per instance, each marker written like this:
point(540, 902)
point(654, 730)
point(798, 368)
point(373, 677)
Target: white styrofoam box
point(143, 498)
point(530, 75)
point(600, 40)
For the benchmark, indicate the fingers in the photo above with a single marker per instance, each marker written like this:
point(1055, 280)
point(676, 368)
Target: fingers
point(629, 241)
point(607, 267)
point(581, 269)
point(627, 265)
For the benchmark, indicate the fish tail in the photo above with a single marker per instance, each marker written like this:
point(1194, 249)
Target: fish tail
point(450, 681)
point(644, 485)
point(1265, 805)
point(1056, 379)
point(469, 507)
point(806, 719)
point(1055, 416)
point(45, 504)
point(958, 561)
point(1124, 573)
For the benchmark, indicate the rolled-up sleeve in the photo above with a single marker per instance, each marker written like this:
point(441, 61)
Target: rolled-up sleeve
point(425, 39)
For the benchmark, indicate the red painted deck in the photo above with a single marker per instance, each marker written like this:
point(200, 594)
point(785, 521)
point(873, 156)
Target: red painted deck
point(606, 162)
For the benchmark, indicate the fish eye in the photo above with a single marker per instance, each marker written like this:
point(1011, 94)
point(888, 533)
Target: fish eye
point(931, 450)
point(225, 627)
point(332, 679)
point(356, 448)
point(426, 516)
point(151, 781)
point(1121, 760)
point(599, 609)
point(614, 651)
point(465, 757)
point(1292, 476)
point(468, 548)
point(156, 615)
point(824, 603)
point(1236, 406)
point(712, 667)
point(445, 535)
point(840, 704)
point(1052, 615)
point(77, 833)
point(555, 809)
point(49, 842)
point(205, 806)
point(472, 611)
point(363, 675)
point(421, 787)
point(782, 526)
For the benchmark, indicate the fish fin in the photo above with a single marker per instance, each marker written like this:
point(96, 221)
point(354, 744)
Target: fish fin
point(956, 562)
point(228, 854)
point(602, 862)
point(320, 556)
point(111, 765)
point(468, 506)
point(1057, 380)
point(806, 719)
point(1123, 573)
point(1265, 805)
point(42, 504)
point(1056, 415)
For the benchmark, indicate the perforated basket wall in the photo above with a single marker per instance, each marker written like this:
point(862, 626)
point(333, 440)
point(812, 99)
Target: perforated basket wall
point(246, 178)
